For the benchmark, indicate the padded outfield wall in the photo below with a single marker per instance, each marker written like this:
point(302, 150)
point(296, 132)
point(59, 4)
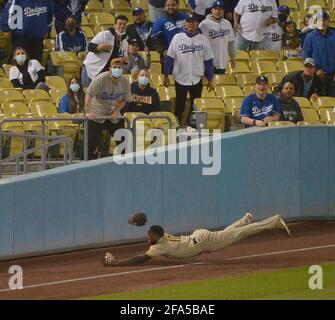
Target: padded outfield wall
point(288, 170)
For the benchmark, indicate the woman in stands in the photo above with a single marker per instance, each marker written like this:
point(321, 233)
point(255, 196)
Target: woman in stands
point(72, 38)
point(26, 73)
point(144, 98)
point(73, 101)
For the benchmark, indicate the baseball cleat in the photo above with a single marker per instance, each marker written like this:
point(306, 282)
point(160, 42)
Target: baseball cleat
point(247, 218)
point(283, 226)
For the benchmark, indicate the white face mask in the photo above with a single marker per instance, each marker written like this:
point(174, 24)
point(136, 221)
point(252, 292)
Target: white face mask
point(116, 72)
point(143, 80)
point(21, 59)
point(120, 33)
point(75, 87)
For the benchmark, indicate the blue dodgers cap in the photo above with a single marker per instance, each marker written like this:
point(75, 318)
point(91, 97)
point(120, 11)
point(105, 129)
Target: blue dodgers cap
point(217, 4)
point(322, 15)
point(284, 8)
point(137, 10)
point(191, 17)
point(261, 79)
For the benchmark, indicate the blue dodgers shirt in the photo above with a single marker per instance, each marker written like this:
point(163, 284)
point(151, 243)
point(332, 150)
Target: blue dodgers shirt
point(257, 109)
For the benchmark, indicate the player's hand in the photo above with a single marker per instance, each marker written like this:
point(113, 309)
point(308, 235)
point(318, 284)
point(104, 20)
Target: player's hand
point(110, 260)
point(90, 116)
point(210, 86)
point(105, 47)
point(166, 82)
point(165, 53)
point(260, 123)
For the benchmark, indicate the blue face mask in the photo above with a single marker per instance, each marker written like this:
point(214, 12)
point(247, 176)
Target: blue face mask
point(75, 87)
point(116, 72)
point(143, 80)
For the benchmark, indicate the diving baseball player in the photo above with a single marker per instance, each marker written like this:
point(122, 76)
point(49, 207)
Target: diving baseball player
point(200, 241)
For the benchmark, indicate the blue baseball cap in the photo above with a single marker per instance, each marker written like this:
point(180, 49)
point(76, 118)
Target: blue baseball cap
point(137, 10)
point(217, 4)
point(284, 8)
point(322, 15)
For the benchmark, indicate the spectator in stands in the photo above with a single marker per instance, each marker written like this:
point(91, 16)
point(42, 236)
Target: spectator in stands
point(306, 83)
point(190, 57)
point(221, 37)
point(26, 73)
point(229, 7)
point(144, 98)
point(283, 14)
point(104, 47)
point(201, 8)
point(260, 108)
point(67, 8)
point(320, 45)
point(74, 100)
point(140, 29)
point(166, 27)
point(106, 96)
point(251, 21)
point(290, 32)
point(135, 61)
point(29, 29)
point(290, 108)
point(156, 9)
point(273, 38)
point(72, 38)
point(309, 25)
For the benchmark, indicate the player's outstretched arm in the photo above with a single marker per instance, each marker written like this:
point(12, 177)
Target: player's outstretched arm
point(110, 260)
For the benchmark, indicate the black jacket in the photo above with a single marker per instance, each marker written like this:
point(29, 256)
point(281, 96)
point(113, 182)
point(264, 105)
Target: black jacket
point(146, 100)
point(133, 34)
point(298, 82)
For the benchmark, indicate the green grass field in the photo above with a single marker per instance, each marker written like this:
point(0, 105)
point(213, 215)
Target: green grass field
point(281, 284)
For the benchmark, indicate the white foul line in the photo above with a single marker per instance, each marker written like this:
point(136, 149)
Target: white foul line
point(168, 267)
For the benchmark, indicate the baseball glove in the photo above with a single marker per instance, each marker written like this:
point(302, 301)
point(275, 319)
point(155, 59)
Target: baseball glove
point(109, 259)
point(138, 219)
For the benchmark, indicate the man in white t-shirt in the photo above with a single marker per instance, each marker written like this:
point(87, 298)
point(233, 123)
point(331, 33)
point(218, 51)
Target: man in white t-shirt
point(251, 20)
point(189, 57)
point(221, 36)
point(200, 241)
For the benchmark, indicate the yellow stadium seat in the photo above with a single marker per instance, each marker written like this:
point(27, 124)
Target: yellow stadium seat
point(167, 114)
point(224, 79)
point(246, 78)
point(163, 124)
point(140, 3)
point(303, 102)
point(292, 4)
point(56, 94)
point(290, 66)
point(242, 56)
point(16, 143)
point(36, 94)
point(11, 95)
point(158, 80)
point(165, 94)
point(208, 94)
point(327, 114)
point(323, 102)
point(82, 56)
point(16, 109)
point(49, 44)
point(275, 78)
point(280, 123)
point(55, 82)
point(309, 123)
point(155, 68)
point(101, 18)
point(94, 6)
point(5, 83)
point(262, 67)
point(131, 116)
point(298, 15)
point(69, 61)
point(248, 89)
point(240, 67)
point(233, 103)
point(310, 114)
point(43, 108)
point(264, 55)
point(215, 109)
point(309, 5)
point(88, 32)
point(228, 91)
point(236, 116)
point(116, 6)
point(100, 28)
